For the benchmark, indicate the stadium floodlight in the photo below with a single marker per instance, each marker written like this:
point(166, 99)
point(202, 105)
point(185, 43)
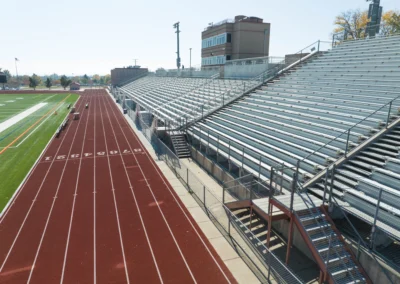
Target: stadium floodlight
point(178, 59)
point(374, 16)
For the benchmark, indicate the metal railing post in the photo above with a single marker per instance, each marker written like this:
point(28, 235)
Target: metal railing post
point(347, 143)
point(204, 197)
point(388, 117)
point(325, 186)
point(331, 189)
point(270, 183)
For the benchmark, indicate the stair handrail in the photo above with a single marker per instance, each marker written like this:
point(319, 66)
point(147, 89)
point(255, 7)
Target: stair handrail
point(323, 230)
point(295, 191)
point(360, 239)
point(348, 131)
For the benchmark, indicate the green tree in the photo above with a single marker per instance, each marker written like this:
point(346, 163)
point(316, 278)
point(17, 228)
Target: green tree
point(353, 22)
point(8, 74)
point(34, 81)
point(65, 82)
point(49, 83)
point(85, 79)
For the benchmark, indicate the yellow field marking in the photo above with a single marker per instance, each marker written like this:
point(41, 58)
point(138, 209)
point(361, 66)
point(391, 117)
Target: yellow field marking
point(33, 125)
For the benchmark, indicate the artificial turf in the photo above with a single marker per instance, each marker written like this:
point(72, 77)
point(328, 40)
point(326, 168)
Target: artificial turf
point(15, 162)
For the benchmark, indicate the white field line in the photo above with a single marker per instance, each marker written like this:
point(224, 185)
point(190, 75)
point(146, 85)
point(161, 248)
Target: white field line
point(21, 110)
point(75, 194)
point(170, 190)
point(17, 191)
point(30, 208)
point(115, 202)
point(52, 206)
point(39, 126)
point(17, 118)
point(134, 197)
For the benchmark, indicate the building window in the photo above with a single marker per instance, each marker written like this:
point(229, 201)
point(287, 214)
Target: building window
point(214, 60)
point(228, 38)
point(215, 40)
point(228, 57)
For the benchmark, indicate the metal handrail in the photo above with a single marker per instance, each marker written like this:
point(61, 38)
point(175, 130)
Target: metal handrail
point(347, 151)
point(366, 36)
point(360, 239)
point(318, 223)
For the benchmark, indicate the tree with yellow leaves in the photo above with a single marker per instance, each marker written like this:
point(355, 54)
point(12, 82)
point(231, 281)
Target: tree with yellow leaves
point(352, 22)
point(390, 22)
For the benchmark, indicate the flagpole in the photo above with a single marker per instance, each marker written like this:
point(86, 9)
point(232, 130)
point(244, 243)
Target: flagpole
point(16, 71)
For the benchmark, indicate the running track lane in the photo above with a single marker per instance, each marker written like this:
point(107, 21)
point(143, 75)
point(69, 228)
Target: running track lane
point(22, 225)
point(119, 221)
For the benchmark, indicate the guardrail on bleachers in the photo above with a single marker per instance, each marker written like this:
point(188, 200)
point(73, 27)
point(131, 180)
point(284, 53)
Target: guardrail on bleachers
point(271, 266)
point(389, 108)
point(363, 33)
point(226, 98)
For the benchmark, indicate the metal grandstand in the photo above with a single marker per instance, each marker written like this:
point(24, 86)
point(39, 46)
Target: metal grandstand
point(327, 126)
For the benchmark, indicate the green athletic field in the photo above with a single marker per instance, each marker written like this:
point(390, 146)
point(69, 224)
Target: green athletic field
point(22, 142)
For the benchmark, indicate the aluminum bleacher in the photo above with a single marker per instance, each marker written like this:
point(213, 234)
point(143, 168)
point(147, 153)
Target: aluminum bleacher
point(316, 114)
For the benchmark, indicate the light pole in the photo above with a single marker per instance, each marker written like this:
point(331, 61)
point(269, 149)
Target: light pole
point(16, 71)
point(178, 60)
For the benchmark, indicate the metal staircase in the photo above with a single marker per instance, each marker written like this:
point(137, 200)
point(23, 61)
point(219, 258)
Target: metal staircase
point(335, 258)
point(329, 247)
point(180, 145)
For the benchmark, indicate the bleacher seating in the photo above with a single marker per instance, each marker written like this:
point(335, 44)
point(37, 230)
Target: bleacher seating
point(173, 98)
point(300, 112)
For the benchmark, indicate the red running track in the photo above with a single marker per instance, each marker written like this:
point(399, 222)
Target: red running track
point(97, 209)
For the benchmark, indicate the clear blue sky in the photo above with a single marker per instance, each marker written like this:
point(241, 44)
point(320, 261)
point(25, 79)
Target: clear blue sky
point(87, 36)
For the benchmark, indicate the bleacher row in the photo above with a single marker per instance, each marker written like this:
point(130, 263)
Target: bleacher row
point(299, 113)
point(174, 99)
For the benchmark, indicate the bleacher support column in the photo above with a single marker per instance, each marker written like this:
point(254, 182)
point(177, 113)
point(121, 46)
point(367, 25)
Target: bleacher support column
point(241, 169)
point(373, 229)
point(217, 149)
point(331, 190)
point(388, 117)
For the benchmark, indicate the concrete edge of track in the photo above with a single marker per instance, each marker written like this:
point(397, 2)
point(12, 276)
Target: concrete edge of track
point(236, 265)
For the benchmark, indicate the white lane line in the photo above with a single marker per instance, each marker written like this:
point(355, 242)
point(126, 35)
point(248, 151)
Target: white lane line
point(30, 208)
point(23, 183)
point(75, 194)
point(115, 202)
point(170, 190)
point(37, 127)
point(94, 197)
point(134, 198)
point(52, 206)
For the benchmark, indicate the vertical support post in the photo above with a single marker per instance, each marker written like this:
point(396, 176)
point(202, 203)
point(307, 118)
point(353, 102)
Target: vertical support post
point(318, 44)
point(217, 149)
point(271, 178)
point(223, 99)
point(271, 206)
point(388, 117)
point(325, 186)
point(187, 177)
point(251, 215)
point(347, 142)
point(373, 230)
point(208, 142)
point(331, 189)
point(223, 194)
point(290, 239)
point(294, 181)
point(242, 158)
point(204, 197)
point(229, 150)
point(202, 113)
